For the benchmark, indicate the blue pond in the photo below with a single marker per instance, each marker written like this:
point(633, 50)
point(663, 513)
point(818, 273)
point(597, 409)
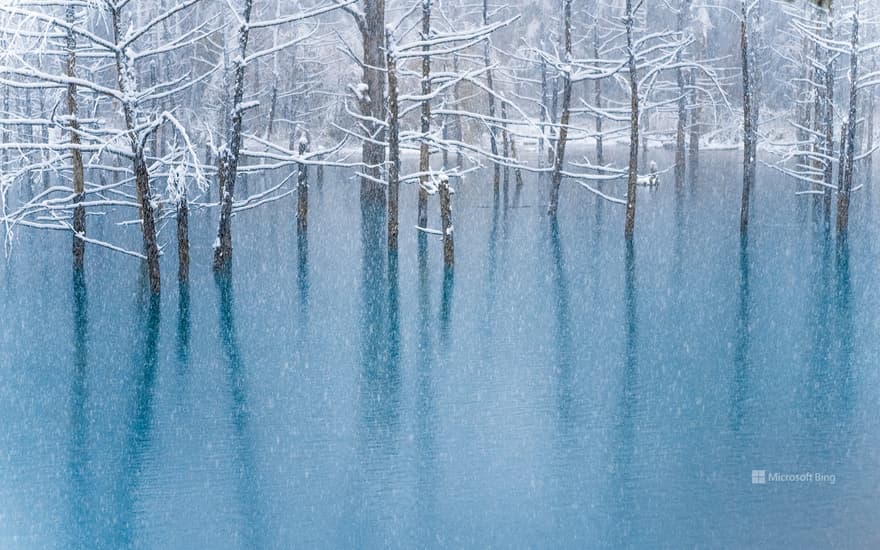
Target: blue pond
point(558, 390)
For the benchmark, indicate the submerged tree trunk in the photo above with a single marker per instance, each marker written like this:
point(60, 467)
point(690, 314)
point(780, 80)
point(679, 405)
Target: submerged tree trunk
point(273, 94)
point(694, 140)
point(148, 221)
point(869, 133)
point(372, 102)
point(493, 141)
point(804, 106)
point(517, 173)
point(542, 142)
point(748, 131)
point(505, 149)
point(183, 238)
point(424, 152)
point(680, 166)
point(4, 129)
point(229, 156)
point(828, 102)
point(302, 187)
point(459, 128)
point(446, 222)
point(597, 90)
point(632, 178)
point(848, 156)
point(554, 117)
point(393, 145)
point(79, 211)
point(125, 79)
point(559, 157)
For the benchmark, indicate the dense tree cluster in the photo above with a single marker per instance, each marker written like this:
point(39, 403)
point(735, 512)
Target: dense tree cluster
point(161, 106)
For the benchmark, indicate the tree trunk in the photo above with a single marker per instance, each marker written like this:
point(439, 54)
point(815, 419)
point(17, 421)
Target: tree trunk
point(517, 173)
point(846, 167)
point(273, 106)
point(680, 160)
point(393, 145)
point(818, 117)
point(803, 105)
point(542, 143)
point(629, 228)
point(183, 238)
point(79, 211)
point(446, 222)
point(302, 187)
point(748, 153)
point(559, 157)
point(829, 120)
point(230, 155)
point(597, 89)
point(424, 152)
point(493, 142)
point(505, 150)
point(4, 129)
point(869, 133)
point(694, 139)
point(44, 136)
point(148, 221)
point(125, 79)
point(459, 128)
point(372, 27)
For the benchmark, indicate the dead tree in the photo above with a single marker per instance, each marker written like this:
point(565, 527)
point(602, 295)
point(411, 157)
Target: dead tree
point(559, 157)
point(424, 149)
point(79, 211)
point(828, 118)
point(125, 79)
point(632, 174)
point(693, 155)
point(493, 141)
point(749, 134)
point(370, 94)
point(446, 221)
point(542, 138)
point(597, 92)
point(393, 144)
point(178, 195)
point(229, 155)
point(683, 9)
point(869, 130)
point(848, 147)
point(505, 150)
point(302, 187)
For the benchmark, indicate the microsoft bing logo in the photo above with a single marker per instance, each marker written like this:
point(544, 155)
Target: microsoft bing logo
point(759, 477)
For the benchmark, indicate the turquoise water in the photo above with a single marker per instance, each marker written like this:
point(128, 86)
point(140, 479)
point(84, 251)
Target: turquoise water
point(559, 390)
